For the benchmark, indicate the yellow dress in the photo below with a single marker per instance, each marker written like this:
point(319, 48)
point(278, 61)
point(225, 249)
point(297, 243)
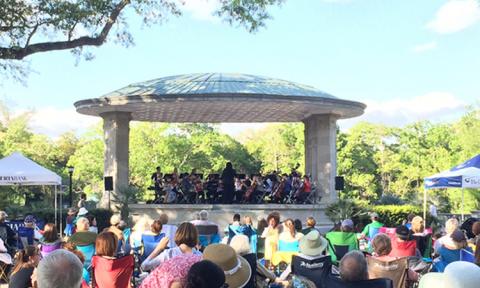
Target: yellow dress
point(271, 241)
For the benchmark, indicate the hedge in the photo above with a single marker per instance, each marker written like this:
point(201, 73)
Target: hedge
point(394, 215)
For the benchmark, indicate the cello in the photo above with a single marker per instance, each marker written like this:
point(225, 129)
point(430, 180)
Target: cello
point(251, 190)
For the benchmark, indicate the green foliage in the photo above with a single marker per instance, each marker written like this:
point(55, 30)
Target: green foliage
point(344, 209)
point(394, 215)
point(389, 199)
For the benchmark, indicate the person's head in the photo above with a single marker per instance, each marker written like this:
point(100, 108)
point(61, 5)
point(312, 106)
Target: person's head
point(196, 275)
point(163, 218)
point(91, 220)
point(313, 244)
point(59, 269)
point(50, 233)
point(347, 225)
point(141, 225)
point(29, 221)
point(353, 267)
point(241, 244)
point(158, 169)
point(83, 196)
point(115, 220)
point(410, 217)
point(476, 228)
point(381, 244)
point(402, 233)
point(247, 220)
point(106, 244)
point(305, 178)
point(229, 165)
point(417, 224)
point(311, 222)
point(3, 216)
point(156, 226)
point(236, 217)
point(451, 225)
point(261, 225)
point(298, 225)
point(236, 269)
point(82, 224)
point(273, 219)
point(26, 258)
point(186, 234)
point(374, 216)
point(203, 215)
point(477, 252)
point(289, 226)
point(459, 239)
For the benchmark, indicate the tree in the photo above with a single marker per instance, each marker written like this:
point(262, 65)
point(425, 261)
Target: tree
point(29, 27)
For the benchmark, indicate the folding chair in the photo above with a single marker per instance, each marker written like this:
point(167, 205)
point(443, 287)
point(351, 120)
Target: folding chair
point(113, 273)
point(25, 237)
point(403, 249)
point(467, 256)
point(395, 270)
point(316, 270)
point(340, 243)
point(88, 252)
point(149, 242)
point(4, 272)
point(334, 281)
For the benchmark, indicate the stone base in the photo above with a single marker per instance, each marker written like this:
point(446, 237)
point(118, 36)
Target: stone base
point(223, 214)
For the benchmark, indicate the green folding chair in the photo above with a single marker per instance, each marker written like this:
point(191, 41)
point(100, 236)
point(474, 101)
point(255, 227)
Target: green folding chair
point(340, 243)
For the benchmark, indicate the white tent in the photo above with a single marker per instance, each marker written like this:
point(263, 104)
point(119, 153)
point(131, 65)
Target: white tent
point(17, 169)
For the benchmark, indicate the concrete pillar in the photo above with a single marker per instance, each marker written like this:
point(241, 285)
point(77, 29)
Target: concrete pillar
point(116, 136)
point(321, 154)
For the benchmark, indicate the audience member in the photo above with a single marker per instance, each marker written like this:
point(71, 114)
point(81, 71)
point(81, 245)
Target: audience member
point(476, 232)
point(5, 257)
point(235, 228)
point(372, 229)
point(186, 239)
point(106, 245)
point(288, 239)
point(353, 267)
point(450, 226)
point(114, 227)
point(459, 274)
point(310, 223)
point(347, 226)
point(168, 230)
point(403, 244)
point(196, 275)
point(450, 251)
point(25, 262)
point(271, 234)
point(70, 226)
point(250, 231)
point(236, 268)
point(31, 223)
point(477, 252)
point(408, 223)
point(140, 227)
point(8, 236)
point(83, 236)
point(92, 223)
point(60, 269)
point(261, 225)
point(50, 240)
point(83, 200)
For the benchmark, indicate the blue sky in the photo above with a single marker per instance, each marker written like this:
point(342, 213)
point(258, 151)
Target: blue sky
point(407, 60)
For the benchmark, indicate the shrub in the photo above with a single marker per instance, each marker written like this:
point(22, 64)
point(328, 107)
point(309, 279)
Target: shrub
point(389, 199)
point(343, 209)
point(394, 215)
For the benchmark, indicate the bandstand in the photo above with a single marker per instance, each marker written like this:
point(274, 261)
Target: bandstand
point(223, 98)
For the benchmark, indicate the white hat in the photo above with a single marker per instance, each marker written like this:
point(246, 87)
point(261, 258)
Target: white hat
point(82, 211)
point(458, 274)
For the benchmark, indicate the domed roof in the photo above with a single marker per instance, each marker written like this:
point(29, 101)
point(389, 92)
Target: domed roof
point(219, 97)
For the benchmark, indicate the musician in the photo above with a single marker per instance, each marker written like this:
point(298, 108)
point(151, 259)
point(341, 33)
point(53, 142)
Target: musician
point(239, 189)
point(212, 185)
point(157, 179)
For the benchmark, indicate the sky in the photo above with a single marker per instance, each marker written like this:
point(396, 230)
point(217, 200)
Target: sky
point(407, 60)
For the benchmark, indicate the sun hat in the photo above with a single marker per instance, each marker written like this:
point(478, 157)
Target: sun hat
point(29, 219)
point(236, 268)
point(373, 215)
point(82, 211)
point(458, 274)
point(347, 223)
point(115, 219)
point(313, 244)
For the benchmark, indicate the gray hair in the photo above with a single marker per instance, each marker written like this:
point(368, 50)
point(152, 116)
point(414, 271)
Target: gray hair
point(203, 215)
point(3, 216)
point(353, 267)
point(59, 269)
point(241, 244)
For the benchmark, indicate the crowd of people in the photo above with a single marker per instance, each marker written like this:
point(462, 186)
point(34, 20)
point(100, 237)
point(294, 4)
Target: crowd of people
point(274, 253)
point(230, 187)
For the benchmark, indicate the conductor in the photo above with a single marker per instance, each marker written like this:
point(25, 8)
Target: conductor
point(228, 175)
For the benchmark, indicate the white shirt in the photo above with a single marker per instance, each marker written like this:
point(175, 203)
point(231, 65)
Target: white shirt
point(433, 210)
point(150, 264)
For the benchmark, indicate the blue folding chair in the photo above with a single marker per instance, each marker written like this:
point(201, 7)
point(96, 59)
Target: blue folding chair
point(25, 237)
point(149, 243)
point(88, 251)
point(467, 256)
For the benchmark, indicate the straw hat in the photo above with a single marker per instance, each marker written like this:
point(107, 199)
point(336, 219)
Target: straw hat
point(313, 244)
point(236, 268)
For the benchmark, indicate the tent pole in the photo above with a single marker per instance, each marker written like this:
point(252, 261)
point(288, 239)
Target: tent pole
point(61, 207)
point(424, 205)
point(56, 207)
point(463, 198)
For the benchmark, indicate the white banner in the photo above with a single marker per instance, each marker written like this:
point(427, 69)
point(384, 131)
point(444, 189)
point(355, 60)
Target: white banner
point(471, 182)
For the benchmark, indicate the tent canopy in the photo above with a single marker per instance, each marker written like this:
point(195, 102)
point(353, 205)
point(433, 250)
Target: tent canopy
point(465, 175)
point(17, 169)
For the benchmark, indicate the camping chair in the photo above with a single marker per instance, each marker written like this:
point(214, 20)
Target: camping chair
point(467, 256)
point(113, 273)
point(340, 243)
point(424, 245)
point(149, 243)
point(3, 272)
point(47, 248)
point(316, 270)
point(252, 262)
point(395, 270)
point(207, 234)
point(25, 237)
point(286, 250)
point(88, 252)
point(334, 281)
point(403, 249)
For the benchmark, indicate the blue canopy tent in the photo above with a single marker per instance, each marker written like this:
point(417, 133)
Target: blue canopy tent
point(465, 175)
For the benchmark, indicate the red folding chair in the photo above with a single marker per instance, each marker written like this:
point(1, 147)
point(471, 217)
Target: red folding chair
point(112, 273)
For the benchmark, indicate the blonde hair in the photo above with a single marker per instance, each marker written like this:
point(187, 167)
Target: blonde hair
point(451, 225)
point(290, 226)
point(142, 225)
point(311, 222)
point(417, 224)
point(241, 244)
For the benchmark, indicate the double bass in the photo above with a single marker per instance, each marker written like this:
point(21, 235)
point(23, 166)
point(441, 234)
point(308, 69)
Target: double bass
point(250, 190)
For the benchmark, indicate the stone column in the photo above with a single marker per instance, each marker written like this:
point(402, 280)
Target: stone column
point(321, 154)
point(116, 136)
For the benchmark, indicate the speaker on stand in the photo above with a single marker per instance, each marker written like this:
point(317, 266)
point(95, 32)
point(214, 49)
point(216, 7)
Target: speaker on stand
point(339, 183)
point(108, 183)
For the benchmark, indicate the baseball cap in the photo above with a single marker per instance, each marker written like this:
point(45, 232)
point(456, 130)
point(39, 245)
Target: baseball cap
point(347, 223)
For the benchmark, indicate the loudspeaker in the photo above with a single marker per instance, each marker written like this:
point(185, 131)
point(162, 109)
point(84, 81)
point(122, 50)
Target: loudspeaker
point(108, 181)
point(339, 183)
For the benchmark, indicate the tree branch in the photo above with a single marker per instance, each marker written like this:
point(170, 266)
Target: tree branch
point(18, 53)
